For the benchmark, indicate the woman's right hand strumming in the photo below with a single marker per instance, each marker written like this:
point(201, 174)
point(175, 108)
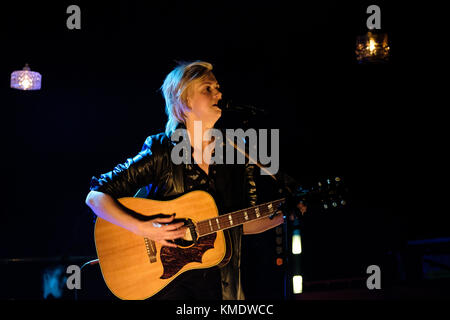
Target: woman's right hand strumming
point(161, 230)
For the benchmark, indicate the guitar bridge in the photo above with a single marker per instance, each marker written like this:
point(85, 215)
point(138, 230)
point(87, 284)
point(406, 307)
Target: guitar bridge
point(151, 249)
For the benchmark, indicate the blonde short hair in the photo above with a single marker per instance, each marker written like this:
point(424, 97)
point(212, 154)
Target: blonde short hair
point(176, 87)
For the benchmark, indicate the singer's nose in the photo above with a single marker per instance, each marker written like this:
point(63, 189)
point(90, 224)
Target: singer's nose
point(218, 95)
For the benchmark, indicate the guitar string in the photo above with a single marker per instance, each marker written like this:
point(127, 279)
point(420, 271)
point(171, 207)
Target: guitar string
point(224, 222)
point(204, 226)
point(236, 214)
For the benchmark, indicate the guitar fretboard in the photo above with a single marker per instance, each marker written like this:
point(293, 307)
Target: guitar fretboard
point(237, 218)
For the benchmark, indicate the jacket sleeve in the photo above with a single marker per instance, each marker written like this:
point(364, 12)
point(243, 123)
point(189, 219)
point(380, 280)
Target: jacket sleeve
point(127, 178)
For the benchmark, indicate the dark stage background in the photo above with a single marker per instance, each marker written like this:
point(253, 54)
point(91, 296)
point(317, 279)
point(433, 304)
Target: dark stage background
point(378, 126)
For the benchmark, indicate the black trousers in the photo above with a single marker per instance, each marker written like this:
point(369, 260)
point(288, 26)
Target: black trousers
point(199, 284)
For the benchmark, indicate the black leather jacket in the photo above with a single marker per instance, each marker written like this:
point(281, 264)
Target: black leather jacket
point(153, 171)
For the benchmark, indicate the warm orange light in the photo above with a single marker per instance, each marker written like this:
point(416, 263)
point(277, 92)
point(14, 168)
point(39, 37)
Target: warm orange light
point(372, 45)
point(279, 261)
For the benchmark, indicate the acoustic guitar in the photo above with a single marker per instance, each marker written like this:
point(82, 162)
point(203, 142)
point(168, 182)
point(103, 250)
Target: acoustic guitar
point(136, 268)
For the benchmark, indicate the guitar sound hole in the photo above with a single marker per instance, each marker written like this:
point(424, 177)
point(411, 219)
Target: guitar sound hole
point(191, 235)
point(183, 243)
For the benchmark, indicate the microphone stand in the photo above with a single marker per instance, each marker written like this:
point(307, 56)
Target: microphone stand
point(286, 207)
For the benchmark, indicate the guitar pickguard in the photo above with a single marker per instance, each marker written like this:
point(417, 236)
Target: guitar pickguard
point(173, 259)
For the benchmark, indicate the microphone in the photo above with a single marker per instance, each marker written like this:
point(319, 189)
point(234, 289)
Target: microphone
point(231, 107)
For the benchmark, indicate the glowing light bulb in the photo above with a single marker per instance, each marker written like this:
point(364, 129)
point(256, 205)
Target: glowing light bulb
point(26, 83)
point(372, 46)
point(297, 282)
point(296, 242)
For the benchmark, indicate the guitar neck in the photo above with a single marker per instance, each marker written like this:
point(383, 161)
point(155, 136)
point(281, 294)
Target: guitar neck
point(237, 218)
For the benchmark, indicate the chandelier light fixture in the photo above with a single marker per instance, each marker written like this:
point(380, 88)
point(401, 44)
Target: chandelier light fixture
point(26, 79)
point(372, 48)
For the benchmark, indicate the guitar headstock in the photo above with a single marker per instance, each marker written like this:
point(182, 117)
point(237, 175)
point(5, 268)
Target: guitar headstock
point(325, 194)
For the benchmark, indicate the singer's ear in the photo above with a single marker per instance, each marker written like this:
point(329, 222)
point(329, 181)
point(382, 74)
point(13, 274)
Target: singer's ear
point(188, 102)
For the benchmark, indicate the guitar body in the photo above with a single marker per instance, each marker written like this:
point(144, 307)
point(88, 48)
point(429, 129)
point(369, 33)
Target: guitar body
point(136, 268)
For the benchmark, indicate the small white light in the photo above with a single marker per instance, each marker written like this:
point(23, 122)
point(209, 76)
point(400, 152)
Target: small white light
point(297, 282)
point(296, 242)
